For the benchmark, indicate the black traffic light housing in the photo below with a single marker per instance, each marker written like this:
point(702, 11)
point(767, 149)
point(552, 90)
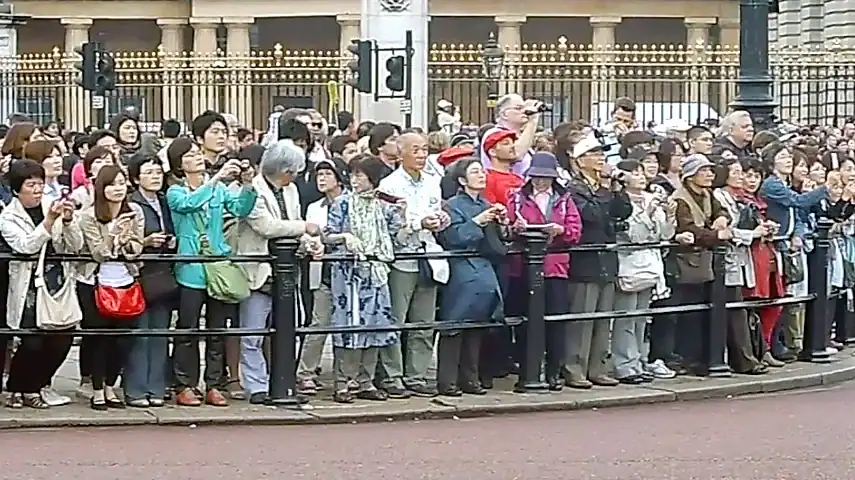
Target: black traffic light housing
point(96, 68)
point(87, 66)
point(396, 66)
point(361, 67)
point(105, 77)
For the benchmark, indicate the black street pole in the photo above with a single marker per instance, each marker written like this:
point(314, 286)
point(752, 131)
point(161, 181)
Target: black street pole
point(755, 82)
point(408, 79)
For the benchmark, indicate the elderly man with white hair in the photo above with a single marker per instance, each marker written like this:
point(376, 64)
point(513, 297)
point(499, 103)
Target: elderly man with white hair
point(276, 214)
point(522, 117)
point(736, 134)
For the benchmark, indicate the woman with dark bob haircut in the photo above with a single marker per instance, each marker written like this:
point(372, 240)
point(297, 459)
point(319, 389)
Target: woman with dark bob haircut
point(31, 224)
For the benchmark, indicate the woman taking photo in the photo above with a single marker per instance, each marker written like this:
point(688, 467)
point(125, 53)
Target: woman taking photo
point(198, 205)
point(145, 372)
point(364, 225)
point(113, 230)
point(472, 293)
point(32, 225)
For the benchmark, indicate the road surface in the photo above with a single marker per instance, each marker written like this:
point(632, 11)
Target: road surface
point(791, 436)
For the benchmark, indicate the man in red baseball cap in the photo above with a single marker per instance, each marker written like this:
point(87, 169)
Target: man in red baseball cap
point(499, 146)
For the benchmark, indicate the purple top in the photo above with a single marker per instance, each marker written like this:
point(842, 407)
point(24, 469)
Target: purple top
point(519, 168)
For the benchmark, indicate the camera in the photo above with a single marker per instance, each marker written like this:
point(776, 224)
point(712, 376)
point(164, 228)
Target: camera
point(541, 108)
point(618, 175)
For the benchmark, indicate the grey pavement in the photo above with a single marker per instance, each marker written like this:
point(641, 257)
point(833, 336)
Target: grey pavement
point(499, 400)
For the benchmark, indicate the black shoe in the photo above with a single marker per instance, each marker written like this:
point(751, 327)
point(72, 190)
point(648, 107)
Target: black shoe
point(556, 384)
point(115, 403)
point(97, 406)
point(258, 398)
point(450, 391)
point(787, 356)
point(394, 393)
point(374, 395)
point(632, 380)
point(473, 389)
point(423, 390)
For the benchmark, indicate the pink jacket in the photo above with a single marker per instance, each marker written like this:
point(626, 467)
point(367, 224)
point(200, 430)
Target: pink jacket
point(78, 175)
point(563, 212)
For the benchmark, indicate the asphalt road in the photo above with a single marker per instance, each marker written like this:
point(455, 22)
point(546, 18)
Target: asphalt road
point(792, 436)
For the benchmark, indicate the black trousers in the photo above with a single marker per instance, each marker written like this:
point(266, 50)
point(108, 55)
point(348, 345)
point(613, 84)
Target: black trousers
point(497, 344)
point(457, 358)
point(557, 302)
point(185, 351)
point(106, 354)
point(36, 361)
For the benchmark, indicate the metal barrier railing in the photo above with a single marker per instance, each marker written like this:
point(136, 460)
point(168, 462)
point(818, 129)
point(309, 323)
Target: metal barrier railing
point(284, 331)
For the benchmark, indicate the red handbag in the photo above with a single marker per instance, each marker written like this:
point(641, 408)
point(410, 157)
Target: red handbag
point(120, 303)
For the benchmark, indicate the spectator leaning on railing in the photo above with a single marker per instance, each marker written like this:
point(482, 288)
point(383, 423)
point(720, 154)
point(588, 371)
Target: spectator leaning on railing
point(276, 214)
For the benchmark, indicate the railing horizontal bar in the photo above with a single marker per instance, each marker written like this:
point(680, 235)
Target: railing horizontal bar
point(172, 258)
point(154, 332)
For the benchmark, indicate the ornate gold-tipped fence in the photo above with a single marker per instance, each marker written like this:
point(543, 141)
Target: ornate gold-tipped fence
point(815, 85)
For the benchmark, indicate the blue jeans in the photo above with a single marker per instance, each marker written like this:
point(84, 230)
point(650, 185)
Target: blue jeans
point(254, 313)
point(145, 372)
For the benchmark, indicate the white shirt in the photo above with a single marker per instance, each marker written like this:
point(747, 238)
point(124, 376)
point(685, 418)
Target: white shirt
point(317, 213)
point(423, 197)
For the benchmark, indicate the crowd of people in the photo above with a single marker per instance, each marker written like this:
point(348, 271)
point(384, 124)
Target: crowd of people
point(376, 190)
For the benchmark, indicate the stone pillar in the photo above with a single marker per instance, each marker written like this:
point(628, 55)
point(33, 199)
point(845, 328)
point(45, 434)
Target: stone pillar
point(239, 92)
point(349, 28)
point(174, 69)
point(202, 63)
point(510, 39)
point(8, 71)
point(386, 23)
point(729, 40)
point(603, 87)
point(840, 37)
point(76, 106)
point(697, 91)
point(789, 35)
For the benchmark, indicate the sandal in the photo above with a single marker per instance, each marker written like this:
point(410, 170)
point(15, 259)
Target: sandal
point(235, 390)
point(34, 400)
point(15, 400)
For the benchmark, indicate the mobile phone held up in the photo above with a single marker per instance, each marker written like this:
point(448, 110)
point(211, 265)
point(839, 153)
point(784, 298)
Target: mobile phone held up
point(386, 197)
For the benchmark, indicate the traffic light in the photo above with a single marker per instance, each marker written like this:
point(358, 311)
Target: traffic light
point(87, 66)
point(395, 66)
point(105, 77)
point(361, 66)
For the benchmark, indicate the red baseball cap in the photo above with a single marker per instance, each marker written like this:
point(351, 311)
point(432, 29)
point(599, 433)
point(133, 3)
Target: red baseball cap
point(492, 139)
point(451, 155)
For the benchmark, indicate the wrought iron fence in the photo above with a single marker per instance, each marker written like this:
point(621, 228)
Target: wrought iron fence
point(580, 81)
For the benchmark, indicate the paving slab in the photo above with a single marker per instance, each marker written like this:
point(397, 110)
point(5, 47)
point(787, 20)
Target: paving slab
point(500, 400)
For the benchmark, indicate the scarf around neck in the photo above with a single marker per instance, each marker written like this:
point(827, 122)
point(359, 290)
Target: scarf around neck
point(368, 224)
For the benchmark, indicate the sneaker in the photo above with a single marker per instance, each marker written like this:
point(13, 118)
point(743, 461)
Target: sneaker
point(831, 350)
point(307, 387)
point(54, 399)
point(84, 391)
point(658, 369)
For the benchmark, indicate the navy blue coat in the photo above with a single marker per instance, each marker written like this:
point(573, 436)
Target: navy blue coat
point(472, 293)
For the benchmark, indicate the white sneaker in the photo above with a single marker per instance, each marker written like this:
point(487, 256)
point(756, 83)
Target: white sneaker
point(84, 391)
point(54, 399)
point(659, 370)
point(830, 350)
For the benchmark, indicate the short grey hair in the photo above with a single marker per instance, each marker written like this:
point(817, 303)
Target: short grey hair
point(731, 120)
point(504, 103)
point(282, 156)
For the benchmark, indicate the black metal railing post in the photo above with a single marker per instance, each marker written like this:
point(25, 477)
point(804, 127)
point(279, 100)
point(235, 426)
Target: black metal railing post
point(816, 315)
point(283, 344)
point(717, 318)
point(535, 338)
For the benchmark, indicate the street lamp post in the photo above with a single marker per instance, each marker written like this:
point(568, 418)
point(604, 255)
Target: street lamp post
point(493, 62)
point(755, 82)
